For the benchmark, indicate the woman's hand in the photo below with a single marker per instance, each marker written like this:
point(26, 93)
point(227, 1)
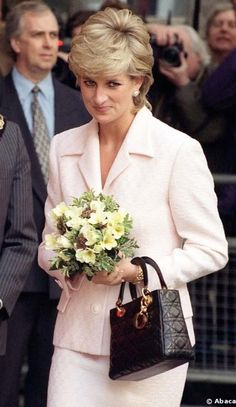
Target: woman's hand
point(124, 271)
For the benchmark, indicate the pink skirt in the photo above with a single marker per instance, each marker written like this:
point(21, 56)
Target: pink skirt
point(81, 380)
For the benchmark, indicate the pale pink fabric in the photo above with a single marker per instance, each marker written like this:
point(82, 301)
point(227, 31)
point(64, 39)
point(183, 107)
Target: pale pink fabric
point(160, 177)
point(81, 380)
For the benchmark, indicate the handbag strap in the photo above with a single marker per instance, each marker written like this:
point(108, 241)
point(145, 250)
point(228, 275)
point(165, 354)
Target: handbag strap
point(141, 262)
point(152, 263)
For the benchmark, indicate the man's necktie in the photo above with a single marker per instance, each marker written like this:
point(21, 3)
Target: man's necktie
point(40, 133)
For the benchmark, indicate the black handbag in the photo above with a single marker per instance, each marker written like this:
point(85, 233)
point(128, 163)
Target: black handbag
point(149, 334)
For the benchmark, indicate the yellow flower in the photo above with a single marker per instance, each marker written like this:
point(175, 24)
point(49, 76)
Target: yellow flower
point(98, 218)
point(116, 223)
point(59, 210)
point(73, 215)
point(117, 230)
point(97, 206)
point(64, 242)
point(97, 248)
point(90, 234)
point(85, 256)
point(108, 241)
point(51, 241)
point(116, 217)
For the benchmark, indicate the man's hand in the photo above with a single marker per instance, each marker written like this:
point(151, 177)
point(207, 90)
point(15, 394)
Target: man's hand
point(178, 75)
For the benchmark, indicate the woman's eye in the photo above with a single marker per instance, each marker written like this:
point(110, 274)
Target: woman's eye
point(89, 83)
point(113, 84)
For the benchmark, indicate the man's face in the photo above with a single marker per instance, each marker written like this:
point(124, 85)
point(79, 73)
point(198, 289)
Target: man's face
point(37, 45)
point(222, 32)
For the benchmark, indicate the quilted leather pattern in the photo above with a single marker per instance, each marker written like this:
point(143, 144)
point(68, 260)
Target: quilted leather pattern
point(161, 345)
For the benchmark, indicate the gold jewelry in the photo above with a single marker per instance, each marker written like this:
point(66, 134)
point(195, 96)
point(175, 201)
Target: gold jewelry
point(139, 277)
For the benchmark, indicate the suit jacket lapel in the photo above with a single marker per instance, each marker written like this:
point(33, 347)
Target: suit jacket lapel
point(89, 162)
point(137, 142)
point(85, 146)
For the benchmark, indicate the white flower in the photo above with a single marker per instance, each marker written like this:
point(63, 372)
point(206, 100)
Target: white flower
point(85, 256)
point(64, 242)
point(98, 216)
point(58, 211)
point(73, 214)
point(51, 241)
point(90, 234)
point(97, 206)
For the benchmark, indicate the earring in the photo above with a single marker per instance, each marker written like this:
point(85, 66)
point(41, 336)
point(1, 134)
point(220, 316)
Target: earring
point(136, 93)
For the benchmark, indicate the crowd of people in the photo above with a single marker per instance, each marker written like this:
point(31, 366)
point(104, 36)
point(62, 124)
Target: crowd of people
point(146, 114)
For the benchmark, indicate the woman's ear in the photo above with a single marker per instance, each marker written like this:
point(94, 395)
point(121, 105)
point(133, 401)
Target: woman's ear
point(138, 82)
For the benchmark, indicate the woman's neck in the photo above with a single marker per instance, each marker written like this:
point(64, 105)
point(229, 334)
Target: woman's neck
point(114, 133)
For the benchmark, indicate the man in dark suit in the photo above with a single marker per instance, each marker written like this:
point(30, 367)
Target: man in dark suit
point(32, 32)
point(18, 239)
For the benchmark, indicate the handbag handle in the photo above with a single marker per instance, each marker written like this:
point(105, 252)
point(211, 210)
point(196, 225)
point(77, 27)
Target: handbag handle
point(152, 263)
point(141, 262)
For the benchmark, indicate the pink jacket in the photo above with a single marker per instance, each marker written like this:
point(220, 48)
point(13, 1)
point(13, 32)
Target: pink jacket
point(161, 178)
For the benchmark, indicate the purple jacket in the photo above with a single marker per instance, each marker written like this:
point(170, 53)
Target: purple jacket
point(219, 89)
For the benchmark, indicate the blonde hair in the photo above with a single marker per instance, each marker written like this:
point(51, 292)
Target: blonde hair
point(114, 42)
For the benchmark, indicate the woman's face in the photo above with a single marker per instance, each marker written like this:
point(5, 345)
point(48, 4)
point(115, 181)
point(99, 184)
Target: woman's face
point(109, 98)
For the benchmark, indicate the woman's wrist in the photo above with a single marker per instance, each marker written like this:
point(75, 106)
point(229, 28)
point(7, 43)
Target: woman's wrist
point(139, 276)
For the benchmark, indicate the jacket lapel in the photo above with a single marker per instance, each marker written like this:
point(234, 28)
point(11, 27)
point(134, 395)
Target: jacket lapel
point(85, 148)
point(137, 142)
point(89, 162)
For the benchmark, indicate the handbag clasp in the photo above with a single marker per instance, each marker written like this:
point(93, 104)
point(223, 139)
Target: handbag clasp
point(141, 318)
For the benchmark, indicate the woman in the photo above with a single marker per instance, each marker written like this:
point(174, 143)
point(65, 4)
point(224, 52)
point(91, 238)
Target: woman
point(160, 177)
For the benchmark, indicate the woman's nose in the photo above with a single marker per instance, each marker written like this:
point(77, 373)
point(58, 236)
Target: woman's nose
point(100, 95)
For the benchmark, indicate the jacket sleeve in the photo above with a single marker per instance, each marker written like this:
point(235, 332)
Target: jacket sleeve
point(193, 206)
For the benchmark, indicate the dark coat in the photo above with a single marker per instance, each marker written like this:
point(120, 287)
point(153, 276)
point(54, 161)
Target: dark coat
point(18, 241)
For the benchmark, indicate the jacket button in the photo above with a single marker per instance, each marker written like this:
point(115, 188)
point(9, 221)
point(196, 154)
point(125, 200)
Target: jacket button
point(59, 283)
point(95, 308)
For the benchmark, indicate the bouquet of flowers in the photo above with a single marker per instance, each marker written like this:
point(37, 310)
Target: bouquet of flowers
point(91, 235)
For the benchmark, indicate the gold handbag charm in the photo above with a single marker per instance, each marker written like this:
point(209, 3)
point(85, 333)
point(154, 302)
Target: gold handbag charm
point(141, 318)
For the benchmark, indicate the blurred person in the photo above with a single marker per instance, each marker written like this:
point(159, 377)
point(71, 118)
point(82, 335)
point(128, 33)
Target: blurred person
point(221, 31)
point(176, 95)
point(61, 69)
point(219, 97)
point(117, 4)
point(32, 32)
point(6, 62)
point(181, 61)
point(75, 21)
point(219, 88)
point(18, 239)
point(160, 176)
